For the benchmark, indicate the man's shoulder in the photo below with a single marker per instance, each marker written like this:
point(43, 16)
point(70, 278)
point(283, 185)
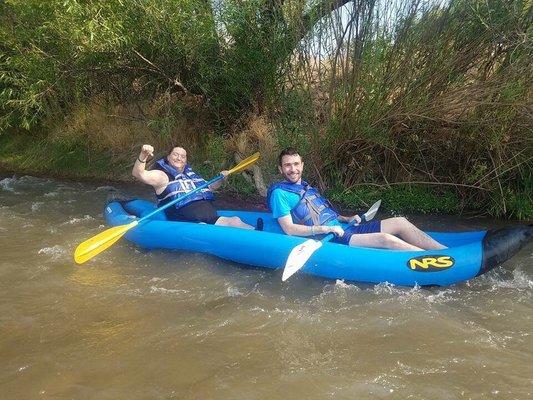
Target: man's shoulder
point(280, 193)
point(281, 202)
point(283, 198)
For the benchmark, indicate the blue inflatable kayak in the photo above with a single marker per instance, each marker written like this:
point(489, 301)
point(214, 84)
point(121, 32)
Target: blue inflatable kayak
point(469, 254)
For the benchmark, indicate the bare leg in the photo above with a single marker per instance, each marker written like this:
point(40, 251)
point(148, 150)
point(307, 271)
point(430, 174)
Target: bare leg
point(401, 227)
point(235, 222)
point(381, 240)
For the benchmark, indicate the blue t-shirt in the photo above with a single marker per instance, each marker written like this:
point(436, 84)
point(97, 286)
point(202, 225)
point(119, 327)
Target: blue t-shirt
point(282, 202)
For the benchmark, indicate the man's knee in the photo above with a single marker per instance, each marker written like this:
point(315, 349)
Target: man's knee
point(395, 225)
point(399, 221)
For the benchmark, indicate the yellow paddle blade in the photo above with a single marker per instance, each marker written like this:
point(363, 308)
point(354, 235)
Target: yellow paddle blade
point(245, 163)
point(95, 245)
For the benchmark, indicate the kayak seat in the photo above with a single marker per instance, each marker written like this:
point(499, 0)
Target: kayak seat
point(141, 208)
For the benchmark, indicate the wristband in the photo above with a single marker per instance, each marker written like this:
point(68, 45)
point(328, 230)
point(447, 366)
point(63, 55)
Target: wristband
point(142, 162)
point(313, 230)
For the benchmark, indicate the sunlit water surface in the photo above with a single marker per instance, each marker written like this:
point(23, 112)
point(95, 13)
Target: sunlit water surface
point(160, 325)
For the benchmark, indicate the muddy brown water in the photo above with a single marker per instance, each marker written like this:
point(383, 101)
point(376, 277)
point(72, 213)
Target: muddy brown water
point(160, 325)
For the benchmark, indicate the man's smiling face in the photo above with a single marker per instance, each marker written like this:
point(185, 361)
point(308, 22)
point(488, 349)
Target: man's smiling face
point(291, 168)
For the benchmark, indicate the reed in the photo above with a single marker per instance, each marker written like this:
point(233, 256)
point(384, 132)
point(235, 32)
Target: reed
point(414, 94)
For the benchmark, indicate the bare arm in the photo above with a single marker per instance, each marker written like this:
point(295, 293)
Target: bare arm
point(157, 179)
point(290, 228)
point(217, 184)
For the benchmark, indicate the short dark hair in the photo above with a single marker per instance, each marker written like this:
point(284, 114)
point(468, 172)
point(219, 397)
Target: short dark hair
point(289, 151)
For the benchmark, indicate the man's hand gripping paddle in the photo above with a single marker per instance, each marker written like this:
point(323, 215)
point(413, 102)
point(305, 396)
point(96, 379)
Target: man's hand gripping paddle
point(301, 253)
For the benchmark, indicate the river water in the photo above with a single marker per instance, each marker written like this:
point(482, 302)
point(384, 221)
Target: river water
point(157, 325)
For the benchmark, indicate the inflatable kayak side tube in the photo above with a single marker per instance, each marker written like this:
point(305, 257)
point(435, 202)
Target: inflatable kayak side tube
point(501, 244)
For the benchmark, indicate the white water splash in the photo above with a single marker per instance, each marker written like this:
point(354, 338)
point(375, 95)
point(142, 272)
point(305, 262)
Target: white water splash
point(155, 289)
point(234, 292)
point(405, 369)
point(441, 297)
point(7, 184)
point(485, 338)
point(385, 288)
point(340, 288)
point(155, 279)
point(521, 280)
point(36, 206)
point(55, 252)
point(502, 278)
point(340, 283)
point(33, 179)
point(74, 221)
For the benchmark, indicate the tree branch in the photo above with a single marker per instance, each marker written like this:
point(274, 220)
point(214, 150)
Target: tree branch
point(325, 7)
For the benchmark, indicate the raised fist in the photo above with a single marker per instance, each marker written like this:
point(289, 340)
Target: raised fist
point(146, 151)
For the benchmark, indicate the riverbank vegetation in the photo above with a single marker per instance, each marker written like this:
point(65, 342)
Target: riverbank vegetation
point(426, 104)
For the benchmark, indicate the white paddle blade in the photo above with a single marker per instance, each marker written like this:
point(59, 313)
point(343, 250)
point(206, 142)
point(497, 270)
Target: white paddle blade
point(371, 213)
point(299, 255)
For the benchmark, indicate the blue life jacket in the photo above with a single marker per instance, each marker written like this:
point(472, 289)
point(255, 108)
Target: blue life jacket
point(180, 183)
point(312, 209)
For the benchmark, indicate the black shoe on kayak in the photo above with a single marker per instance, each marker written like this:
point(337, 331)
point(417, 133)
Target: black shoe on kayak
point(259, 224)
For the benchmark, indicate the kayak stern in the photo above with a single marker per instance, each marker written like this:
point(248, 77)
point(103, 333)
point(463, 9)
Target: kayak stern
point(501, 244)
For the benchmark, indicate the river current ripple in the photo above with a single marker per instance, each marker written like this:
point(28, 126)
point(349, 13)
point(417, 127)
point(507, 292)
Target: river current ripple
point(160, 325)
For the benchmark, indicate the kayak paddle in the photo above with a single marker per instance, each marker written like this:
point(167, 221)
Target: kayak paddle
point(98, 243)
point(301, 253)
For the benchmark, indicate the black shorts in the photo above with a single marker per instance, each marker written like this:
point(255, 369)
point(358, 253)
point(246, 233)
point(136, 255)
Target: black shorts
point(365, 227)
point(197, 211)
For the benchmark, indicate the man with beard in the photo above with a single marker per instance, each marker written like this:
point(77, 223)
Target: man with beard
point(302, 211)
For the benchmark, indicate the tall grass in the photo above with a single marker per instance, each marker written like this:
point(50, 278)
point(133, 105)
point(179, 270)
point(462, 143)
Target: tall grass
point(418, 95)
